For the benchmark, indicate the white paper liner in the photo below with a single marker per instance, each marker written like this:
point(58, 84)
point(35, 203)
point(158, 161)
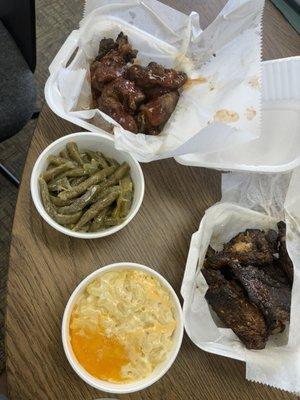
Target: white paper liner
point(278, 147)
point(226, 54)
point(265, 201)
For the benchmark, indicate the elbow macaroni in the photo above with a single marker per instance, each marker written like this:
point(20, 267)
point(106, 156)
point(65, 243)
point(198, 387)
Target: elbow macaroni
point(134, 309)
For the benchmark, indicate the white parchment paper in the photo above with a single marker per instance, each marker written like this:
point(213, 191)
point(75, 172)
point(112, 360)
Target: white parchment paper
point(249, 201)
point(220, 109)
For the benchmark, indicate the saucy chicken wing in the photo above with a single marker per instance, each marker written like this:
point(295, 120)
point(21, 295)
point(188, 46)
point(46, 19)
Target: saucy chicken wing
point(140, 99)
point(156, 75)
point(111, 60)
point(154, 115)
point(119, 99)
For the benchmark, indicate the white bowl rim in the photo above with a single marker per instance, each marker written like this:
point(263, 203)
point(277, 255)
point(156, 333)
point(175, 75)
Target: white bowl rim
point(84, 235)
point(109, 387)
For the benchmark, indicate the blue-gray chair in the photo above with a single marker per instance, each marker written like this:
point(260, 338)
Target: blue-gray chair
point(17, 65)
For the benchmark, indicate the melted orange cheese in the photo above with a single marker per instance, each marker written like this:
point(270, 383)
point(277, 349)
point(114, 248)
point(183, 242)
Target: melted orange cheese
point(101, 356)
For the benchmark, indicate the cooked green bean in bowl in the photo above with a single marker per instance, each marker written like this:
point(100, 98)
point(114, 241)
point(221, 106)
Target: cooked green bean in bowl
point(83, 187)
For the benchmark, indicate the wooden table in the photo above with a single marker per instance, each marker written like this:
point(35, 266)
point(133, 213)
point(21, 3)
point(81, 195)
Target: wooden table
point(46, 266)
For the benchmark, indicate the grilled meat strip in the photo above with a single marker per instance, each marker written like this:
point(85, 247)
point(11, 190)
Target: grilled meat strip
point(284, 258)
point(156, 75)
point(271, 296)
point(249, 247)
point(230, 303)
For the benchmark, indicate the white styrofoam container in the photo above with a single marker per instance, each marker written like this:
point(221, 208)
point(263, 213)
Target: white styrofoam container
point(278, 148)
point(220, 224)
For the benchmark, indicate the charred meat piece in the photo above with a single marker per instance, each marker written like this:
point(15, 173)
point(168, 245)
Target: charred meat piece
point(229, 302)
point(119, 99)
point(156, 75)
point(272, 239)
point(126, 92)
point(272, 297)
point(212, 276)
point(125, 48)
point(105, 46)
point(139, 98)
point(251, 244)
point(284, 258)
point(249, 247)
point(153, 115)
point(111, 60)
point(155, 92)
point(114, 108)
point(121, 44)
point(275, 271)
point(110, 67)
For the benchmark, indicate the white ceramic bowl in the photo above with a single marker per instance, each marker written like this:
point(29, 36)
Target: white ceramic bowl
point(158, 372)
point(91, 141)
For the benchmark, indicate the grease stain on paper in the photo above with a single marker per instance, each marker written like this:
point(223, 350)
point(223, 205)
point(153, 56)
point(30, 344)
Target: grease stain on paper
point(224, 115)
point(250, 113)
point(196, 81)
point(254, 82)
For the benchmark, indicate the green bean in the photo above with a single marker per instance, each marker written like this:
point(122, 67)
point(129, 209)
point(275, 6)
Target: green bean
point(85, 158)
point(70, 226)
point(106, 200)
point(58, 185)
point(49, 207)
point(115, 177)
point(59, 202)
point(96, 155)
point(82, 187)
point(67, 219)
point(112, 162)
point(110, 221)
point(56, 160)
point(77, 181)
point(74, 173)
point(64, 154)
point(125, 199)
point(81, 202)
point(46, 198)
point(91, 167)
point(98, 221)
point(52, 173)
point(50, 166)
point(73, 152)
point(92, 191)
point(85, 228)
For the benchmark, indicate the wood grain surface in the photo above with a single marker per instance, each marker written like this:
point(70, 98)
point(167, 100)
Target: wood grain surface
point(46, 266)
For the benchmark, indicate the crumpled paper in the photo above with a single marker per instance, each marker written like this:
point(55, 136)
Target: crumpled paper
point(218, 108)
point(248, 201)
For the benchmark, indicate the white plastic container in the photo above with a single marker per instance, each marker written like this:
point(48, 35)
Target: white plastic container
point(92, 141)
point(278, 148)
point(158, 372)
point(211, 111)
point(220, 223)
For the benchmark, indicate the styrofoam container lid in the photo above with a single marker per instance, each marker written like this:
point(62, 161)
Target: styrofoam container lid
point(278, 148)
